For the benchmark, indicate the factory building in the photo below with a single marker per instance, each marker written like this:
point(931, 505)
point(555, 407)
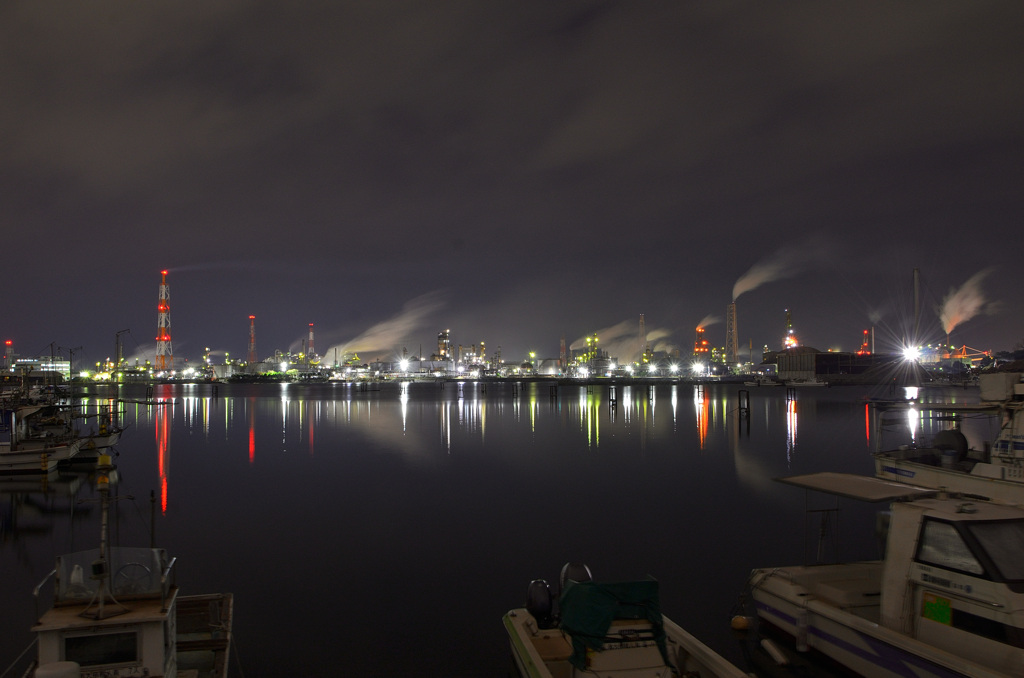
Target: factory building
point(805, 363)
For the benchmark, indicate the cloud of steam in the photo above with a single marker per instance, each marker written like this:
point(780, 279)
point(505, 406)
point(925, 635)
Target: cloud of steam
point(614, 333)
point(709, 319)
point(764, 272)
point(786, 263)
point(961, 305)
point(622, 340)
point(140, 354)
point(389, 334)
point(215, 266)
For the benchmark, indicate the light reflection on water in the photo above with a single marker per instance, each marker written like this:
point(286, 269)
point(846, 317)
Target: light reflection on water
point(407, 518)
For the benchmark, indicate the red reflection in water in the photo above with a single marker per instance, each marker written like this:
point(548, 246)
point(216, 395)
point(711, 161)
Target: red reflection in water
point(163, 448)
point(867, 423)
point(703, 417)
point(252, 430)
point(311, 429)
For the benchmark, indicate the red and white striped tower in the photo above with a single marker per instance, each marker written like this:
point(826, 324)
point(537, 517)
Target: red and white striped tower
point(309, 349)
point(164, 354)
point(252, 340)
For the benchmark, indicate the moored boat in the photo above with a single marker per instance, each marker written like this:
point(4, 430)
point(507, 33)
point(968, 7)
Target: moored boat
point(39, 440)
point(989, 467)
point(117, 611)
point(947, 599)
point(35, 456)
point(614, 629)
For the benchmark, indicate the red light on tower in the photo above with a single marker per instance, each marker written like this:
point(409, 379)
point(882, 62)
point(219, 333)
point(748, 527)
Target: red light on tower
point(164, 354)
point(864, 350)
point(700, 344)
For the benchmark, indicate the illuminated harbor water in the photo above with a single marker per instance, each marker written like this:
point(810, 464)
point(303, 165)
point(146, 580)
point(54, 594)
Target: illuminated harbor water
point(386, 529)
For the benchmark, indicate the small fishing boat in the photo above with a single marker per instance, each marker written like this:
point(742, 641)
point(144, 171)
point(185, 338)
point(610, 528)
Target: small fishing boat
point(117, 611)
point(607, 630)
point(947, 598)
point(35, 456)
point(38, 441)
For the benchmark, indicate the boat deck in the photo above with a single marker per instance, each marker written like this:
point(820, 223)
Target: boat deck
point(854, 587)
point(630, 650)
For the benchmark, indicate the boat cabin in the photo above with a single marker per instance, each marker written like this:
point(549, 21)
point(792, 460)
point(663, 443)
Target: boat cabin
point(947, 594)
point(122, 616)
point(126, 630)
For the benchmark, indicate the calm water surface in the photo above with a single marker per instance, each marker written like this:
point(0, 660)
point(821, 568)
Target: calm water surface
point(386, 531)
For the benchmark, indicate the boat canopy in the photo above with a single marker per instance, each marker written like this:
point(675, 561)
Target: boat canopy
point(852, 486)
point(589, 608)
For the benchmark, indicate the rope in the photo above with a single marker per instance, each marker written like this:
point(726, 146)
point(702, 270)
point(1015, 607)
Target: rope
point(234, 651)
point(20, 656)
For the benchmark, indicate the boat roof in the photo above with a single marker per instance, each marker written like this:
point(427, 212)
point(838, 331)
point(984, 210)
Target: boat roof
point(852, 486)
point(964, 509)
point(131, 612)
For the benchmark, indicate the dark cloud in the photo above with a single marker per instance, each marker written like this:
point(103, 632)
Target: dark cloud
point(565, 165)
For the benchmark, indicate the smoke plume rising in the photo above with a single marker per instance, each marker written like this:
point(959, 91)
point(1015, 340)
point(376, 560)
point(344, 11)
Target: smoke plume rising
point(786, 263)
point(622, 340)
point(961, 305)
point(764, 272)
point(389, 334)
point(708, 320)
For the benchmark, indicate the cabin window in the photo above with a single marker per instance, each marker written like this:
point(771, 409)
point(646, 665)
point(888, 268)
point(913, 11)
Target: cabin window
point(942, 546)
point(107, 648)
point(1003, 541)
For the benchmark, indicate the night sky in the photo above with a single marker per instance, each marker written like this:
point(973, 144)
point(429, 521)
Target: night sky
point(516, 172)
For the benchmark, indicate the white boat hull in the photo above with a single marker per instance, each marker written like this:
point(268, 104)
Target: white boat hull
point(856, 641)
point(30, 458)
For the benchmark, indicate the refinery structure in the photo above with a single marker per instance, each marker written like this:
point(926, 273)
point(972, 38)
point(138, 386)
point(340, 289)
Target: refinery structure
point(587, 359)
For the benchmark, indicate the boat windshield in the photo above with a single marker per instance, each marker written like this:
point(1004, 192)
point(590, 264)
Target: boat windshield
point(942, 545)
point(1003, 540)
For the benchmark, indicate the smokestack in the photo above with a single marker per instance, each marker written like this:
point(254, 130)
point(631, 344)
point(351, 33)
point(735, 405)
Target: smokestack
point(252, 340)
point(643, 339)
point(917, 308)
point(732, 344)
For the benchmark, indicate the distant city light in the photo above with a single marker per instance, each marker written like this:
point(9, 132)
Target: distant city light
point(911, 353)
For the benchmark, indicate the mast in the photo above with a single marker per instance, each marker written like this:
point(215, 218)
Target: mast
point(101, 566)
